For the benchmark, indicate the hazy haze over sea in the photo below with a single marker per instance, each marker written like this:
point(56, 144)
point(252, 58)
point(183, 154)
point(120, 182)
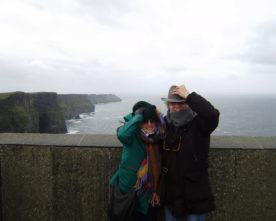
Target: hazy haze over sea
point(240, 115)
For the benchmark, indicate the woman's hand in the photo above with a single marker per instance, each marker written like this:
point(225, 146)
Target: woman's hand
point(155, 200)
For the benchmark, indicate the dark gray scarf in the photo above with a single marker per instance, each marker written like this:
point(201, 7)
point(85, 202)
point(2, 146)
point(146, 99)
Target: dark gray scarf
point(180, 118)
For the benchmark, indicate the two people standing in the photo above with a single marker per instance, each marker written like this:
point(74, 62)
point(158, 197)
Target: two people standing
point(182, 141)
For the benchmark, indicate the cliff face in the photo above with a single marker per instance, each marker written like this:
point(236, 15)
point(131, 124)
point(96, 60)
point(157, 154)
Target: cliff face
point(74, 104)
point(103, 98)
point(45, 112)
point(31, 113)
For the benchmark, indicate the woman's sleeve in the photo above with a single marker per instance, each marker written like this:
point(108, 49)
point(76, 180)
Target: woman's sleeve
point(125, 133)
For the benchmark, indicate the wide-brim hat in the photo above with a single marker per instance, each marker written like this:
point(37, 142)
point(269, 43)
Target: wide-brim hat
point(173, 97)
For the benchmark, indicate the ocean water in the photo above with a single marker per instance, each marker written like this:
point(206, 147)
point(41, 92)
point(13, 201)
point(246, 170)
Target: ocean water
point(240, 115)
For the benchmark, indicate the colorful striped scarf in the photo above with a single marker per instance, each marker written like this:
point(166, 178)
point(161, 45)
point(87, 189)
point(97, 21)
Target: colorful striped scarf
point(149, 170)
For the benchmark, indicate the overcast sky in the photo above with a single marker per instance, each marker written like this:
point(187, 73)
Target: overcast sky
point(138, 46)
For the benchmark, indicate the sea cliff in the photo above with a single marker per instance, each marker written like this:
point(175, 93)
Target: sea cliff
point(103, 98)
point(31, 113)
point(74, 104)
point(45, 112)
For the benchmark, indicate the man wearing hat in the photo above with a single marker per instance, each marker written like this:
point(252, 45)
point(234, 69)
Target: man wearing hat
point(189, 122)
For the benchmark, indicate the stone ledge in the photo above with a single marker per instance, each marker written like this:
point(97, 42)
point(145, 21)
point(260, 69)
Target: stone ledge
point(101, 140)
point(243, 142)
point(76, 140)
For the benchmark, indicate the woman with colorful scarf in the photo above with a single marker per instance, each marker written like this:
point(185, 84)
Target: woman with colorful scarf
point(141, 136)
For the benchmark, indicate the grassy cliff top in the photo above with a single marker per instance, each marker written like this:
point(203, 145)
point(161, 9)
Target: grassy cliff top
point(6, 95)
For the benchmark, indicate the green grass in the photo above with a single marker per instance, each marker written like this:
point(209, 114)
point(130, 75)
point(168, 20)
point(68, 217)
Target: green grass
point(6, 95)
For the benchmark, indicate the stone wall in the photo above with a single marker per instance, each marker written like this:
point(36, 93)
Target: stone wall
point(66, 177)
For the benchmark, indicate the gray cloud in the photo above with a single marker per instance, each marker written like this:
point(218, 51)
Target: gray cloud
point(175, 69)
point(106, 12)
point(104, 46)
point(118, 6)
point(65, 76)
point(261, 47)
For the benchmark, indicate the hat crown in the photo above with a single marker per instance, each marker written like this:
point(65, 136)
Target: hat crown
point(173, 97)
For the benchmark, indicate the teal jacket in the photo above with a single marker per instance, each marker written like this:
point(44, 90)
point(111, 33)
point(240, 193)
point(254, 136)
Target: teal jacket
point(134, 152)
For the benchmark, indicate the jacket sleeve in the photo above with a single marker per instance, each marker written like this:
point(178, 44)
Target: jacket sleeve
point(125, 133)
point(205, 110)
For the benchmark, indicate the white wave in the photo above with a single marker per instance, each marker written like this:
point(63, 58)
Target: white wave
point(73, 131)
point(70, 121)
point(87, 118)
point(85, 115)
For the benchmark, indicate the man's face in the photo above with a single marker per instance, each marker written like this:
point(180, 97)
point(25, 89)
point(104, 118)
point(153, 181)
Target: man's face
point(177, 106)
point(148, 127)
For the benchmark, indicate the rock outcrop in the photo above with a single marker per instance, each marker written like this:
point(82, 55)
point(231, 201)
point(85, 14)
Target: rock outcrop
point(74, 104)
point(103, 98)
point(31, 113)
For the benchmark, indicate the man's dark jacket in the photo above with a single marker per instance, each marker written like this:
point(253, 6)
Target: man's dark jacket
point(187, 184)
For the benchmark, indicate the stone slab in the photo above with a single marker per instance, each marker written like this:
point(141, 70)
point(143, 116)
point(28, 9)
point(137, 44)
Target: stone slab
point(101, 140)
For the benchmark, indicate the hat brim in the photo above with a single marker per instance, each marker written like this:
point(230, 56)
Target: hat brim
point(172, 100)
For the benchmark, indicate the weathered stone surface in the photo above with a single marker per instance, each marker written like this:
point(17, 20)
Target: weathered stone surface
point(70, 181)
point(82, 140)
point(26, 183)
point(243, 142)
point(243, 183)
